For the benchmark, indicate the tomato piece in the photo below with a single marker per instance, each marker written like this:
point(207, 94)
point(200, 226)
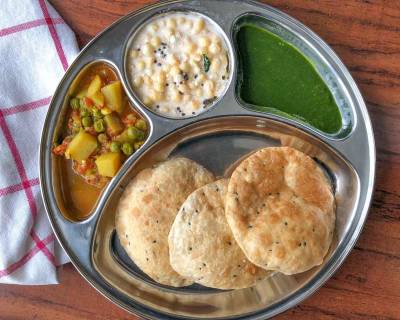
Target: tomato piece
point(60, 149)
point(88, 102)
point(84, 166)
point(91, 131)
point(75, 115)
point(129, 120)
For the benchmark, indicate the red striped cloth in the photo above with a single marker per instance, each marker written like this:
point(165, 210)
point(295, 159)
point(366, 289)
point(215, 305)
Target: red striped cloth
point(36, 47)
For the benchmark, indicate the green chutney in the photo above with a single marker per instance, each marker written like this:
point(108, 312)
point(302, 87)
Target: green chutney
point(277, 77)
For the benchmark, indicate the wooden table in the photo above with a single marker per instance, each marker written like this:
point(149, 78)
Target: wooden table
point(366, 35)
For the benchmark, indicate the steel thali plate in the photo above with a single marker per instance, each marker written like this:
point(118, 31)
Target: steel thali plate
point(217, 139)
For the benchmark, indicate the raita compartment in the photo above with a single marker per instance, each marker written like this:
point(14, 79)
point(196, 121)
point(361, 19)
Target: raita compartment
point(178, 64)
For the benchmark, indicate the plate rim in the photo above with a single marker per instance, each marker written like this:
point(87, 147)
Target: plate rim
point(327, 271)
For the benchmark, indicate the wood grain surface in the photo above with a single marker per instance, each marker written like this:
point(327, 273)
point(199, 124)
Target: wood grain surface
point(366, 35)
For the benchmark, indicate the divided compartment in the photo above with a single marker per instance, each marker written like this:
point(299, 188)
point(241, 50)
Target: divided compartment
point(323, 67)
point(136, 33)
point(234, 137)
point(76, 199)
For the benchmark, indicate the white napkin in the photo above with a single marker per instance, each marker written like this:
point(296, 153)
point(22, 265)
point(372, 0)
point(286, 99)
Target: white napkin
point(36, 47)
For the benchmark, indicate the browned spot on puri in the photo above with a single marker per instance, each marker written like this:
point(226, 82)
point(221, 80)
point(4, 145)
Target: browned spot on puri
point(226, 272)
point(147, 198)
point(250, 268)
point(124, 206)
point(227, 239)
point(266, 240)
point(242, 220)
point(280, 253)
point(136, 212)
point(146, 174)
point(274, 218)
point(292, 244)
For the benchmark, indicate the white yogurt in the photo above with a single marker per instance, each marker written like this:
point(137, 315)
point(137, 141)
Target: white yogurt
point(178, 64)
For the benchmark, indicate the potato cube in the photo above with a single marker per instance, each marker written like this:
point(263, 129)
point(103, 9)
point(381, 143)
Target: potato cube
point(113, 96)
point(114, 124)
point(108, 164)
point(94, 86)
point(98, 99)
point(81, 146)
point(81, 94)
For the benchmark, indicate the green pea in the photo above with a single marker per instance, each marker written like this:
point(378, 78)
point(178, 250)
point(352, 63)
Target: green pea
point(133, 133)
point(127, 149)
point(96, 113)
point(131, 117)
point(115, 146)
point(87, 121)
point(76, 124)
point(102, 137)
point(74, 103)
point(137, 145)
point(82, 103)
point(84, 112)
point(75, 130)
point(141, 124)
point(141, 136)
point(99, 126)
